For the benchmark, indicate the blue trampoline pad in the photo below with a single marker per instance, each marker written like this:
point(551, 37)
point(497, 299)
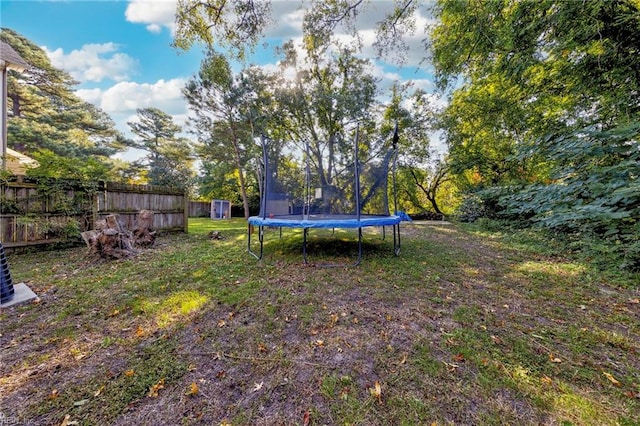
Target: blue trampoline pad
point(325, 221)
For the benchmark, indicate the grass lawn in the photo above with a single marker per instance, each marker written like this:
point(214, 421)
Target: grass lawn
point(462, 328)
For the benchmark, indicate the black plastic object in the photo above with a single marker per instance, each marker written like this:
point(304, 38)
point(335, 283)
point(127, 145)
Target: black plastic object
point(6, 283)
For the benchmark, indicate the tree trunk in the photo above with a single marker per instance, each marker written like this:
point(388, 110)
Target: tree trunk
point(243, 189)
point(144, 234)
point(111, 240)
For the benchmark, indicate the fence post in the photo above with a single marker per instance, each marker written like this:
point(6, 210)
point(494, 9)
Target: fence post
point(186, 212)
point(94, 203)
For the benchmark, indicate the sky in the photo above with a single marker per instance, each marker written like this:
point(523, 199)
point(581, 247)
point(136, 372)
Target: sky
point(120, 51)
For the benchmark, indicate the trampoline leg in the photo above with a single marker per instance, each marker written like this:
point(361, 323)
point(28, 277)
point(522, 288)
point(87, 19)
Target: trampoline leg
point(396, 239)
point(260, 238)
point(304, 245)
point(359, 247)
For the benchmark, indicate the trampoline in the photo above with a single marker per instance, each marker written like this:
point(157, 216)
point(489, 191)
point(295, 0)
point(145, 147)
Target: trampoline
point(297, 194)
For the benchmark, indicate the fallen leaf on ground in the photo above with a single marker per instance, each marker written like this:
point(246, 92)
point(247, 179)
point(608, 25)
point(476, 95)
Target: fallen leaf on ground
point(376, 391)
point(193, 389)
point(99, 391)
point(139, 332)
point(129, 373)
point(67, 421)
point(153, 391)
point(611, 378)
point(344, 393)
point(306, 419)
point(403, 360)
point(554, 359)
point(451, 367)
point(458, 357)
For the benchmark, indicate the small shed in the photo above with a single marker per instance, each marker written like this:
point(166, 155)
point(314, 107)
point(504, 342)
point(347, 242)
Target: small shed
point(220, 209)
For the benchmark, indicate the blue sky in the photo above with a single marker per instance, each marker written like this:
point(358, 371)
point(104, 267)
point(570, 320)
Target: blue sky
point(120, 51)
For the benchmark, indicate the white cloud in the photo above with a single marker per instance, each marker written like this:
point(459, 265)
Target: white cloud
point(154, 28)
point(94, 62)
point(93, 96)
point(155, 13)
point(122, 100)
point(287, 20)
point(127, 96)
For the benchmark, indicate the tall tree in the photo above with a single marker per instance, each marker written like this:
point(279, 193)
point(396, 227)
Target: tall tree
point(545, 111)
point(236, 24)
point(224, 104)
point(169, 157)
point(321, 105)
point(240, 24)
point(588, 53)
point(46, 117)
point(423, 180)
point(529, 69)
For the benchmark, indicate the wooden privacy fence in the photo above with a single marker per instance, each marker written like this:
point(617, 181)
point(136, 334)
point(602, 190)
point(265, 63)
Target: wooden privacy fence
point(41, 213)
point(199, 208)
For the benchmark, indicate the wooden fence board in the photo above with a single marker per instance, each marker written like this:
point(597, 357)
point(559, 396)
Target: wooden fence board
point(27, 216)
point(199, 208)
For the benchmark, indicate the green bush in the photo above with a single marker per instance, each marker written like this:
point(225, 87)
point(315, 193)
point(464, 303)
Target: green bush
point(593, 196)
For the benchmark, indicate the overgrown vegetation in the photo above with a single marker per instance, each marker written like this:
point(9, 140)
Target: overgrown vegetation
point(543, 130)
point(595, 194)
point(466, 326)
point(49, 208)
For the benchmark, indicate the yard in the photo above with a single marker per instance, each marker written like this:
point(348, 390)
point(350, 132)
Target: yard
point(462, 328)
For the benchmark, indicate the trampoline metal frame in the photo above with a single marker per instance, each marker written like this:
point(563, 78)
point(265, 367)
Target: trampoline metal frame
point(305, 231)
point(306, 222)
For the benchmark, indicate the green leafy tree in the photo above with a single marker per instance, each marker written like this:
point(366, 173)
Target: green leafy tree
point(584, 56)
point(224, 105)
point(529, 69)
point(240, 24)
point(321, 105)
point(424, 181)
point(169, 157)
point(426, 184)
point(544, 103)
point(46, 117)
point(234, 24)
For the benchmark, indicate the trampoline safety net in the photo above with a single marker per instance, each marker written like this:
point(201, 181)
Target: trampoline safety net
point(302, 188)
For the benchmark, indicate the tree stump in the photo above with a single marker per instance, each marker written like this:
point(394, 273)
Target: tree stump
point(110, 239)
point(144, 235)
